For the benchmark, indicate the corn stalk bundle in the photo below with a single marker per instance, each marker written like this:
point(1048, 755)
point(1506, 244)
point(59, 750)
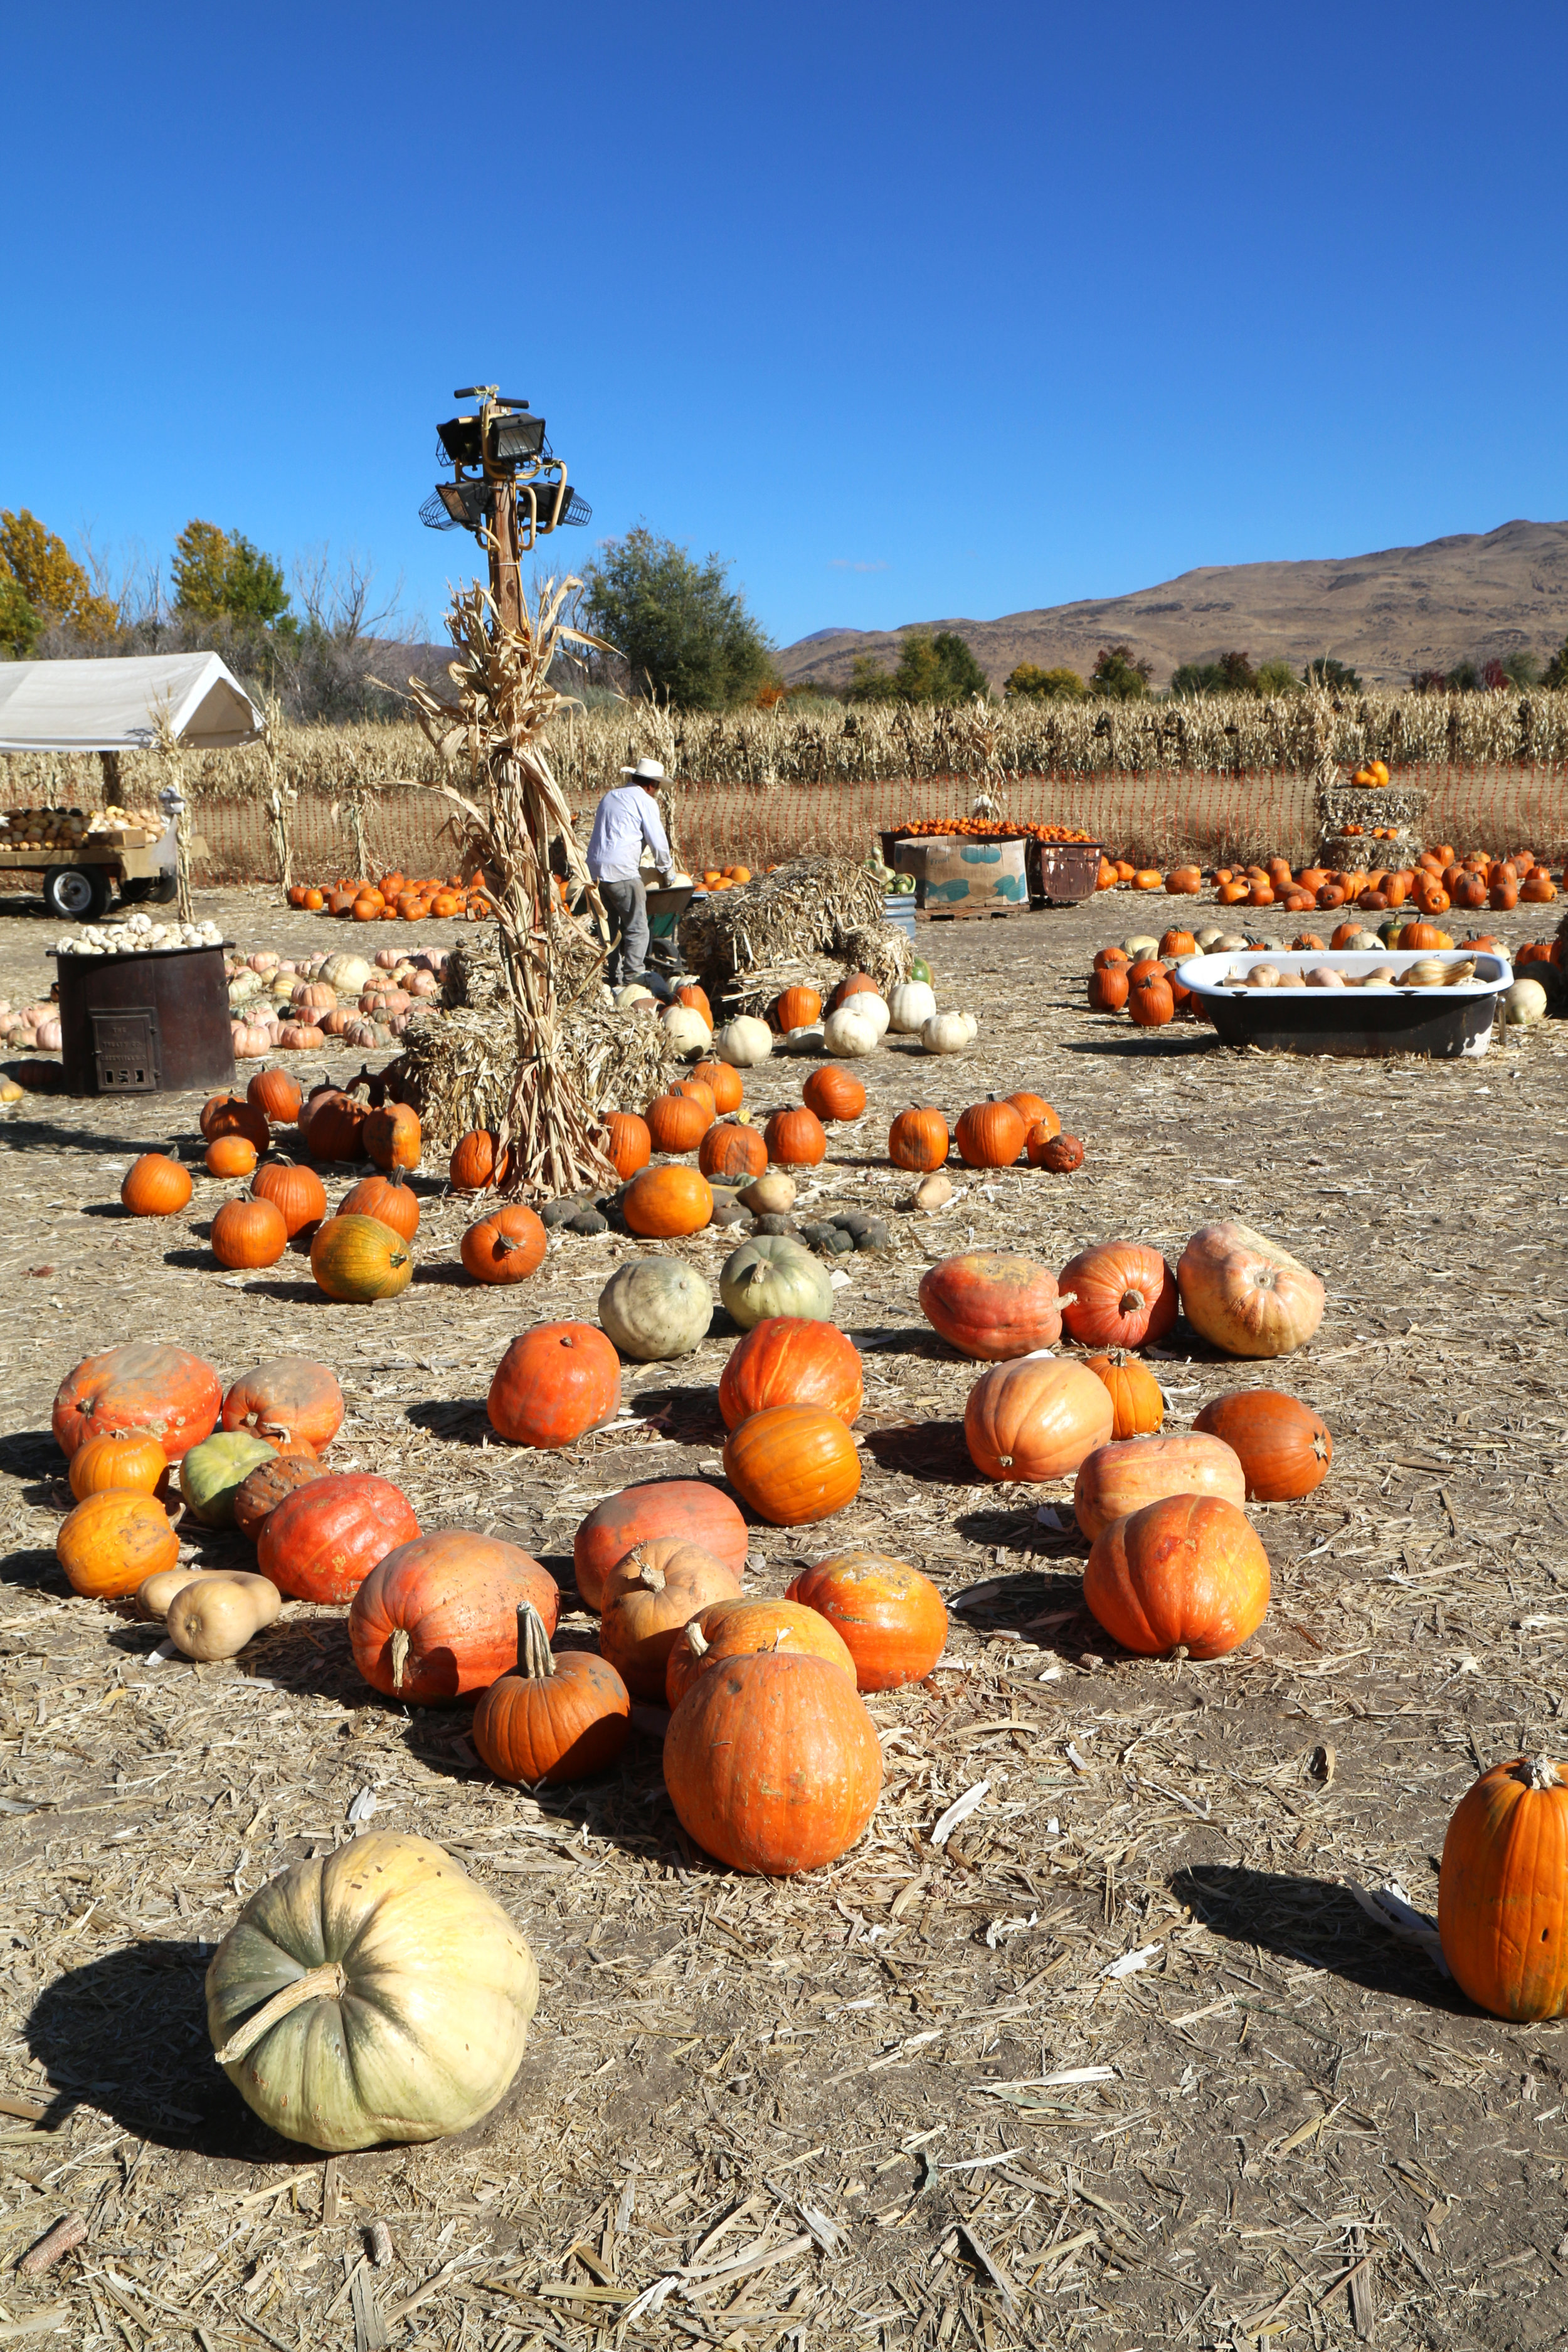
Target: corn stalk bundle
point(502, 825)
point(735, 941)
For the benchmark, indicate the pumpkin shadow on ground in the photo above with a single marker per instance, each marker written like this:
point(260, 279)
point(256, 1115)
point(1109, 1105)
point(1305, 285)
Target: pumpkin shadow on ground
point(1315, 1921)
point(288, 1294)
point(460, 1421)
point(33, 1453)
point(192, 1258)
point(1139, 1048)
point(685, 1416)
point(35, 1570)
point(451, 1275)
point(933, 1452)
point(45, 1135)
point(912, 1340)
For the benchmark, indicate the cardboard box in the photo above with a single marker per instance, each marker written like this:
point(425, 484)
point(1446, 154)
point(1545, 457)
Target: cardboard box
point(972, 877)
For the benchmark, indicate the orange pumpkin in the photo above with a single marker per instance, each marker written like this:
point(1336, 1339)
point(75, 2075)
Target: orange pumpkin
point(733, 1152)
point(695, 999)
point(113, 1541)
point(833, 1093)
point(1186, 1573)
point(134, 1463)
point(685, 1510)
point(230, 1155)
point(276, 1095)
point(157, 1186)
point(297, 1192)
point(918, 1139)
point(477, 1163)
point(1034, 1418)
point(1150, 1002)
point(724, 1083)
point(655, 1591)
point(665, 1202)
point(891, 1618)
point(627, 1143)
point(1109, 989)
point(1118, 1294)
point(676, 1122)
point(321, 1542)
point(795, 1138)
point(387, 1199)
point(248, 1232)
point(1246, 1294)
point(797, 1008)
point(233, 1115)
point(170, 1395)
point(551, 1718)
point(737, 1628)
point(1126, 1475)
point(437, 1617)
point(992, 1305)
point(1137, 1400)
point(1502, 1890)
point(1035, 1111)
point(794, 1464)
point(697, 1092)
point(391, 1136)
point(774, 1764)
point(284, 1400)
point(991, 1135)
point(791, 1359)
point(506, 1246)
point(553, 1384)
point(1283, 1446)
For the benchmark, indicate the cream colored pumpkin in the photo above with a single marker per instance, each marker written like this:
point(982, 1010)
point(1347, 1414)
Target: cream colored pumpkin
point(946, 1033)
point(849, 1033)
point(1524, 1004)
point(347, 973)
point(374, 1994)
point(909, 1007)
point(1246, 1294)
point(687, 1029)
point(744, 1042)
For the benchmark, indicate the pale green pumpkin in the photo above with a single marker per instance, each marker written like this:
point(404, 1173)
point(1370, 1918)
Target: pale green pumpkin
point(655, 1309)
point(773, 1275)
point(212, 1474)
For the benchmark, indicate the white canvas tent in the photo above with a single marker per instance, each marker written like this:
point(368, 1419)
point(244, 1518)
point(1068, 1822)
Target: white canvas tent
point(113, 706)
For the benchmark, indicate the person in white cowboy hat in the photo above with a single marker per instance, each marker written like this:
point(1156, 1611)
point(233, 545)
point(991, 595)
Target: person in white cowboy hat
point(626, 818)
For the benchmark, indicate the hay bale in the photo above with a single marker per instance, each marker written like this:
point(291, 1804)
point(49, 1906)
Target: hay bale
point(745, 945)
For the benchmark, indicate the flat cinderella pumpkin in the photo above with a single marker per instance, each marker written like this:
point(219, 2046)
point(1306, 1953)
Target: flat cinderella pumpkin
point(374, 1994)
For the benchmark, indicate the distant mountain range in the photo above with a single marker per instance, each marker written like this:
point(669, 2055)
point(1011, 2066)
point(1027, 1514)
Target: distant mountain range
point(1478, 596)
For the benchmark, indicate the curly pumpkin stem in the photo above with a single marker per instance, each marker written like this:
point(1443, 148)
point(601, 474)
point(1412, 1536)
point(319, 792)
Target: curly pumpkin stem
point(326, 1983)
point(535, 1658)
point(1538, 1772)
point(696, 1640)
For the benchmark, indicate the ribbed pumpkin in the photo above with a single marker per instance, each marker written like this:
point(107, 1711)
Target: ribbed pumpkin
point(990, 1135)
point(792, 1464)
point(233, 1115)
point(1284, 1448)
point(792, 1359)
point(229, 1155)
point(1036, 1111)
point(797, 1008)
point(891, 1618)
point(248, 1234)
point(628, 1142)
point(261, 1494)
point(1185, 1573)
point(387, 1199)
point(1118, 1294)
point(724, 1084)
point(212, 1474)
point(135, 1464)
point(276, 1095)
point(1502, 1890)
point(437, 1617)
point(832, 1093)
point(477, 1161)
point(506, 1246)
point(113, 1541)
point(696, 998)
point(170, 1396)
point(551, 1718)
point(392, 1137)
point(795, 1138)
point(554, 1383)
point(1034, 1418)
point(1137, 1400)
point(773, 1763)
point(296, 1194)
point(775, 1274)
point(401, 1997)
point(918, 1139)
point(655, 1309)
point(684, 1509)
point(736, 1628)
point(733, 1152)
point(1132, 1471)
point(676, 1122)
point(653, 1592)
point(663, 1202)
point(358, 1260)
point(287, 1397)
point(331, 1123)
point(991, 1304)
point(1246, 1294)
point(322, 1541)
point(155, 1186)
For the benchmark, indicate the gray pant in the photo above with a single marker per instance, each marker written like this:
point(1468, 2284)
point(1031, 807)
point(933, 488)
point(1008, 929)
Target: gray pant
point(625, 903)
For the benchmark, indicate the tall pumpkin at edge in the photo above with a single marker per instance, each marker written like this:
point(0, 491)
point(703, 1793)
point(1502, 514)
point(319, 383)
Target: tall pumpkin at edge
point(1502, 1890)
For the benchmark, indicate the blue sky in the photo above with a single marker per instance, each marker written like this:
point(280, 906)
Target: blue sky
point(906, 311)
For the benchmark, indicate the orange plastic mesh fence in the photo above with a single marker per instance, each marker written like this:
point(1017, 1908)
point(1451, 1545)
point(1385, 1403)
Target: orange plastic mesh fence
point(1154, 819)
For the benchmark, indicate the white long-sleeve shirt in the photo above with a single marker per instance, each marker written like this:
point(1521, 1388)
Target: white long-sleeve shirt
point(624, 819)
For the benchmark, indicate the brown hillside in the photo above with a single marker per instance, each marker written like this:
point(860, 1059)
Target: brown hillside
point(1478, 596)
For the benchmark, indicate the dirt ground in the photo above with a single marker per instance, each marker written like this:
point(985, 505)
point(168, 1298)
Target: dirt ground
point(1123, 2062)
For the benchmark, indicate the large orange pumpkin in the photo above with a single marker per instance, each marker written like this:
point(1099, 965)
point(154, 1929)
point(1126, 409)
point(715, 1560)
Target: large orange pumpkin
point(507, 1246)
point(795, 1138)
point(331, 1123)
point(737, 1627)
point(794, 1464)
point(437, 1617)
point(676, 1122)
point(1124, 1476)
point(918, 1139)
point(628, 1142)
point(233, 1115)
point(1246, 1294)
point(170, 1396)
point(773, 1763)
point(833, 1093)
point(665, 1202)
point(1137, 1400)
point(551, 1718)
point(287, 1397)
point(554, 1383)
point(1283, 1446)
point(1187, 1572)
point(991, 1304)
point(1502, 1890)
point(891, 1618)
point(683, 1509)
point(1118, 1294)
point(792, 1359)
point(991, 1135)
point(385, 1198)
point(229, 1155)
point(297, 1192)
point(1035, 1111)
point(730, 1150)
point(1034, 1418)
point(653, 1592)
point(155, 1186)
point(276, 1095)
point(391, 1136)
point(322, 1541)
point(115, 1540)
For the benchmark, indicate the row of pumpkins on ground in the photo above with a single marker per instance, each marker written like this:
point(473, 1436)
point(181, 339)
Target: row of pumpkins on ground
point(853, 1023)
point(1437, 880)
point(395, 897)
point(276, 1004)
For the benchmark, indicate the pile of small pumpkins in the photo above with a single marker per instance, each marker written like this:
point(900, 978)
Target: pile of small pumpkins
point(278, 1005)
point(726, 878)
point(853, 1023)
point(1438, 881)
point(395, 898)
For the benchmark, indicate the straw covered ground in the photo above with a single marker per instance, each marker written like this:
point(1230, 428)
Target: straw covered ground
point(1122, 2062)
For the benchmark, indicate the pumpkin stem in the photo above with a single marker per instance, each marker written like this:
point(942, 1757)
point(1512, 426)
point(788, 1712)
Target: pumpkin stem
point(697, 1641)
point(399, 1655)
point(535, 1658)
point(325, 1983)
point(1538, 1772)
point(1131, 1301)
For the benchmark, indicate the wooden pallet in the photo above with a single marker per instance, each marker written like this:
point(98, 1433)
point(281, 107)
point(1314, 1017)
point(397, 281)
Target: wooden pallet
point(966, 914)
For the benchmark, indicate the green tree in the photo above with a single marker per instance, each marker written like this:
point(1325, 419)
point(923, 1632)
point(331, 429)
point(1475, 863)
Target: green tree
point(220, 578)
point(1038, 684)
point(681, 629)
point(1337, 675)
point(48, 576)
point(20, 626)
point(1557, 667)
point(1189, 680)
point(1521, 667)
point(1119, 675)
point(931, 669)
point(1278, 677)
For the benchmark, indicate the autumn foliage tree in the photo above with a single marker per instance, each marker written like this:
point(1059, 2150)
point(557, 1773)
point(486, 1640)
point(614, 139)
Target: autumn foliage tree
point(39, 572)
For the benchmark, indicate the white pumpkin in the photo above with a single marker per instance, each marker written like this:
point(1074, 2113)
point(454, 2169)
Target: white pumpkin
point(911, 1006)
point(970, 1024)
point(744, 1042)
point(347, 973)
point(946, 1033)
point(687, 1029)
point(870, 1008)
point(630, 995)
point(849, 1033)
point(801, 1041)
point(1523, 1006)
point(1141, 944)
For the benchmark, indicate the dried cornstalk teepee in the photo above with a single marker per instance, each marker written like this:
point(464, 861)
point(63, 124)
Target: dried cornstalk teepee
point(506, 820)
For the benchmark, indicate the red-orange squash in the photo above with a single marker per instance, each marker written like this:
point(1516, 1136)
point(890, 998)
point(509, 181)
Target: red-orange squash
point(991, 1304)
point(792, 1359)
point(113, 1541)
point(653, 1591)
point(554, 1383)
point(322, 1541)
point(1137, 1400)
point(676, 1122)
point(1035, 1419)
point(506, 1246)
point(735, 1628)
point(686, 1510)
point(1118, 1294)
point(773, 1763)
point(437, 1617)
point(553, 1718)
point(891, 1619)
point(792, 1464)
point(663, 1202)
point(1035, 1111)
point(173, 1396)
point(724, 1083)
point(478, 1162)
point(1502, 1890)
point(1246, 1294)
point(1185, 1573)
point(287, 1397)
point(833, 1093)
point(276, 1095)
point(797, 1008)
point(1132, 1471)
point(1284, 1447)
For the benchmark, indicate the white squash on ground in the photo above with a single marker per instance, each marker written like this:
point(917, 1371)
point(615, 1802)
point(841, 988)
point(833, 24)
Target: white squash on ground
point(687, 1029)
point(801, 1041)
point(848, 1034)
point(347, 973)
point(911, 1006)
point(634, 992)
point(947, 1032)
point(1524, 1004)
point(744, 1042)
point(870, 1008)
point(1141, 944)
